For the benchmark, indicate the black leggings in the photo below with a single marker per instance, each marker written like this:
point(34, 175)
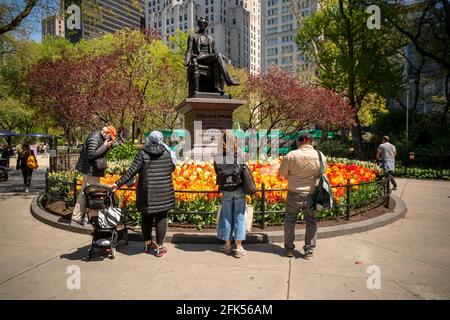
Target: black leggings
point(27, 173)
point(159, 220)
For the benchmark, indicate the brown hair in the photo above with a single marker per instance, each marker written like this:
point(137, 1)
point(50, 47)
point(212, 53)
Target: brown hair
point(228, 141)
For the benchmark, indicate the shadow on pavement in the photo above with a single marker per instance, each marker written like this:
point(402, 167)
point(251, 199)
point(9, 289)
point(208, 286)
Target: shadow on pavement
point(266, 248)
point(197, 247)
point(81, 254)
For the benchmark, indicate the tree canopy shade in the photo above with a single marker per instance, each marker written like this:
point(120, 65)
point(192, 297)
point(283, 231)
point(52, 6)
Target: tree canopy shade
point(4, 133)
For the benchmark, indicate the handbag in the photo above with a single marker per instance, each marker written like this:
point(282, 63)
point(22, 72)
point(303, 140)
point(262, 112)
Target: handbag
point(100, 164)
point(32, 162)
point(323, 194)
point(249, 183)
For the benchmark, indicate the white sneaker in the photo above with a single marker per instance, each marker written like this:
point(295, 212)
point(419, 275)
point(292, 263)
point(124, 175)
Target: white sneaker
point(84, 222)
point(27, 190)
point(239, 252)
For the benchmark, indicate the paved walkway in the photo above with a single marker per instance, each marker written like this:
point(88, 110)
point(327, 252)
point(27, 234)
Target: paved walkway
point(413, 256)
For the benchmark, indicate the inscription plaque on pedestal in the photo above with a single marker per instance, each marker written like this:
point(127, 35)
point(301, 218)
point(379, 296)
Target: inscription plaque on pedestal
point(215, 115)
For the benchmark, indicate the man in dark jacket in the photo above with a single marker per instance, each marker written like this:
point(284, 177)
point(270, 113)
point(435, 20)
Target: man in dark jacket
point(155, 194)
point(92, 155)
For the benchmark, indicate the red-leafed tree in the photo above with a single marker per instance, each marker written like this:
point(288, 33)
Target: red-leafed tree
point(279, 100)
point(86, 92)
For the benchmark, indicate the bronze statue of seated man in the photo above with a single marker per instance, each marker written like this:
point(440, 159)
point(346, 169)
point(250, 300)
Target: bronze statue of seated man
point(201, 55)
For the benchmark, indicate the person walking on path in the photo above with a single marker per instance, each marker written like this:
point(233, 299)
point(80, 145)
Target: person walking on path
point(23, 165)
point(302, 169)
point(92, 164)
point(228, 165)
point(386, 153)
point(155, 194)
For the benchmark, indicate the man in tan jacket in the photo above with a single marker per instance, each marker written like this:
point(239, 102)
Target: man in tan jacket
point(302, 169)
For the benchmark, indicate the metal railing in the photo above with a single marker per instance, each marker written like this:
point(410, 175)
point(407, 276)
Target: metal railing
point(349, 208)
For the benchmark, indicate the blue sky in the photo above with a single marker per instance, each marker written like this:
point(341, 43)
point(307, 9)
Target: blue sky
point(33, 21)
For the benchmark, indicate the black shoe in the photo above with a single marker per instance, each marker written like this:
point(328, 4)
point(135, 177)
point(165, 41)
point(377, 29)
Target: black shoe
point(221, 91)
point(289, 253)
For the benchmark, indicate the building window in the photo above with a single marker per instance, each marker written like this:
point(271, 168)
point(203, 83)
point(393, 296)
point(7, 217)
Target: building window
point(286, 60)
point(272, 30)
point(272, 51)
point(286, 27)
point(272, 42)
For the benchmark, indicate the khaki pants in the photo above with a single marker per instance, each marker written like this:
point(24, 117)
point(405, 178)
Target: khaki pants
point(79, 210)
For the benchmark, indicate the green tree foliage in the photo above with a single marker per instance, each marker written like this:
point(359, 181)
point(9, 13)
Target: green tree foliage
point(351, 58)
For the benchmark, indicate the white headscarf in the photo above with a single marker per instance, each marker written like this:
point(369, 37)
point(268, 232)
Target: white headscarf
point(156, 137)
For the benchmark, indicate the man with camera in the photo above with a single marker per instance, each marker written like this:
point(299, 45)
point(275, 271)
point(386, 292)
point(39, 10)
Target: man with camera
point(302, 169)
point(92, 164)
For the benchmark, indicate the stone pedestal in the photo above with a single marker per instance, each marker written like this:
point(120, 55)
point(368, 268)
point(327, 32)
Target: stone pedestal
point(215, 112)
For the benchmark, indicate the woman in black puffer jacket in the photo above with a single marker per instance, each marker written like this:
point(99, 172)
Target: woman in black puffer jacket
point(155, 194)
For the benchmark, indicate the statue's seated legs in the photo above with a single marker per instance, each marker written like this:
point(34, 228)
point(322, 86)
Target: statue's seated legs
point(219, 65)
point(213, 68)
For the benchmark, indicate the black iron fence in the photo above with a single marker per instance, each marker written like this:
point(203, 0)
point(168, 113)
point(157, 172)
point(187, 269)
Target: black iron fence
point(353, 199)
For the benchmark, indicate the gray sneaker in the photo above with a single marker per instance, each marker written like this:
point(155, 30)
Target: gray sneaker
point(308, 255)
point(226, 250)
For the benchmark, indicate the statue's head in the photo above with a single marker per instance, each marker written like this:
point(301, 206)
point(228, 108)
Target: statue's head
point(202, 23)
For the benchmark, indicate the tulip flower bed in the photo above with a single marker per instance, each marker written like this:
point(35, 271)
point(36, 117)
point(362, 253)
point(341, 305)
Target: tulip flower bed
point(200, 176)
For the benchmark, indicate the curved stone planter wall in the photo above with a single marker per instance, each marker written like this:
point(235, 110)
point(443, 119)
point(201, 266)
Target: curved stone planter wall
point(262, 237)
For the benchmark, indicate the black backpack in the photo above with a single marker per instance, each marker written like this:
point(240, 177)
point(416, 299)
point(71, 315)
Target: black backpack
point(229, 176)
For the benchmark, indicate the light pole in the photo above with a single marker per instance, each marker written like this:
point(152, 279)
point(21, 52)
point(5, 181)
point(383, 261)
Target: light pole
point(407, 102)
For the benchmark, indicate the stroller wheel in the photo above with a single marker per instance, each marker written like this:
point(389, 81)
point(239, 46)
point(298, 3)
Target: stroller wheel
point(113, 253)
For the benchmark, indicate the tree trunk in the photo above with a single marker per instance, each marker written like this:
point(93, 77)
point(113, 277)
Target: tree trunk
point(357, 139)
point(447, 98)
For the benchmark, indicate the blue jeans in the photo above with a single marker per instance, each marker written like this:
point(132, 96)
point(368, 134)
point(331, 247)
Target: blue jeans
point(232, 216)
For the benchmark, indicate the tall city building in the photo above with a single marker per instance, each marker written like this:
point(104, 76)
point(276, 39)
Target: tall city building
point(106, 16)
point(279, 27)
point(232, 23)
point(53, 26)
point(254, 8)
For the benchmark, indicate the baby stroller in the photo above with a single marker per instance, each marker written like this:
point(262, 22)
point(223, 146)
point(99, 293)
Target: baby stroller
point(108, 230)
point(4, 163)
